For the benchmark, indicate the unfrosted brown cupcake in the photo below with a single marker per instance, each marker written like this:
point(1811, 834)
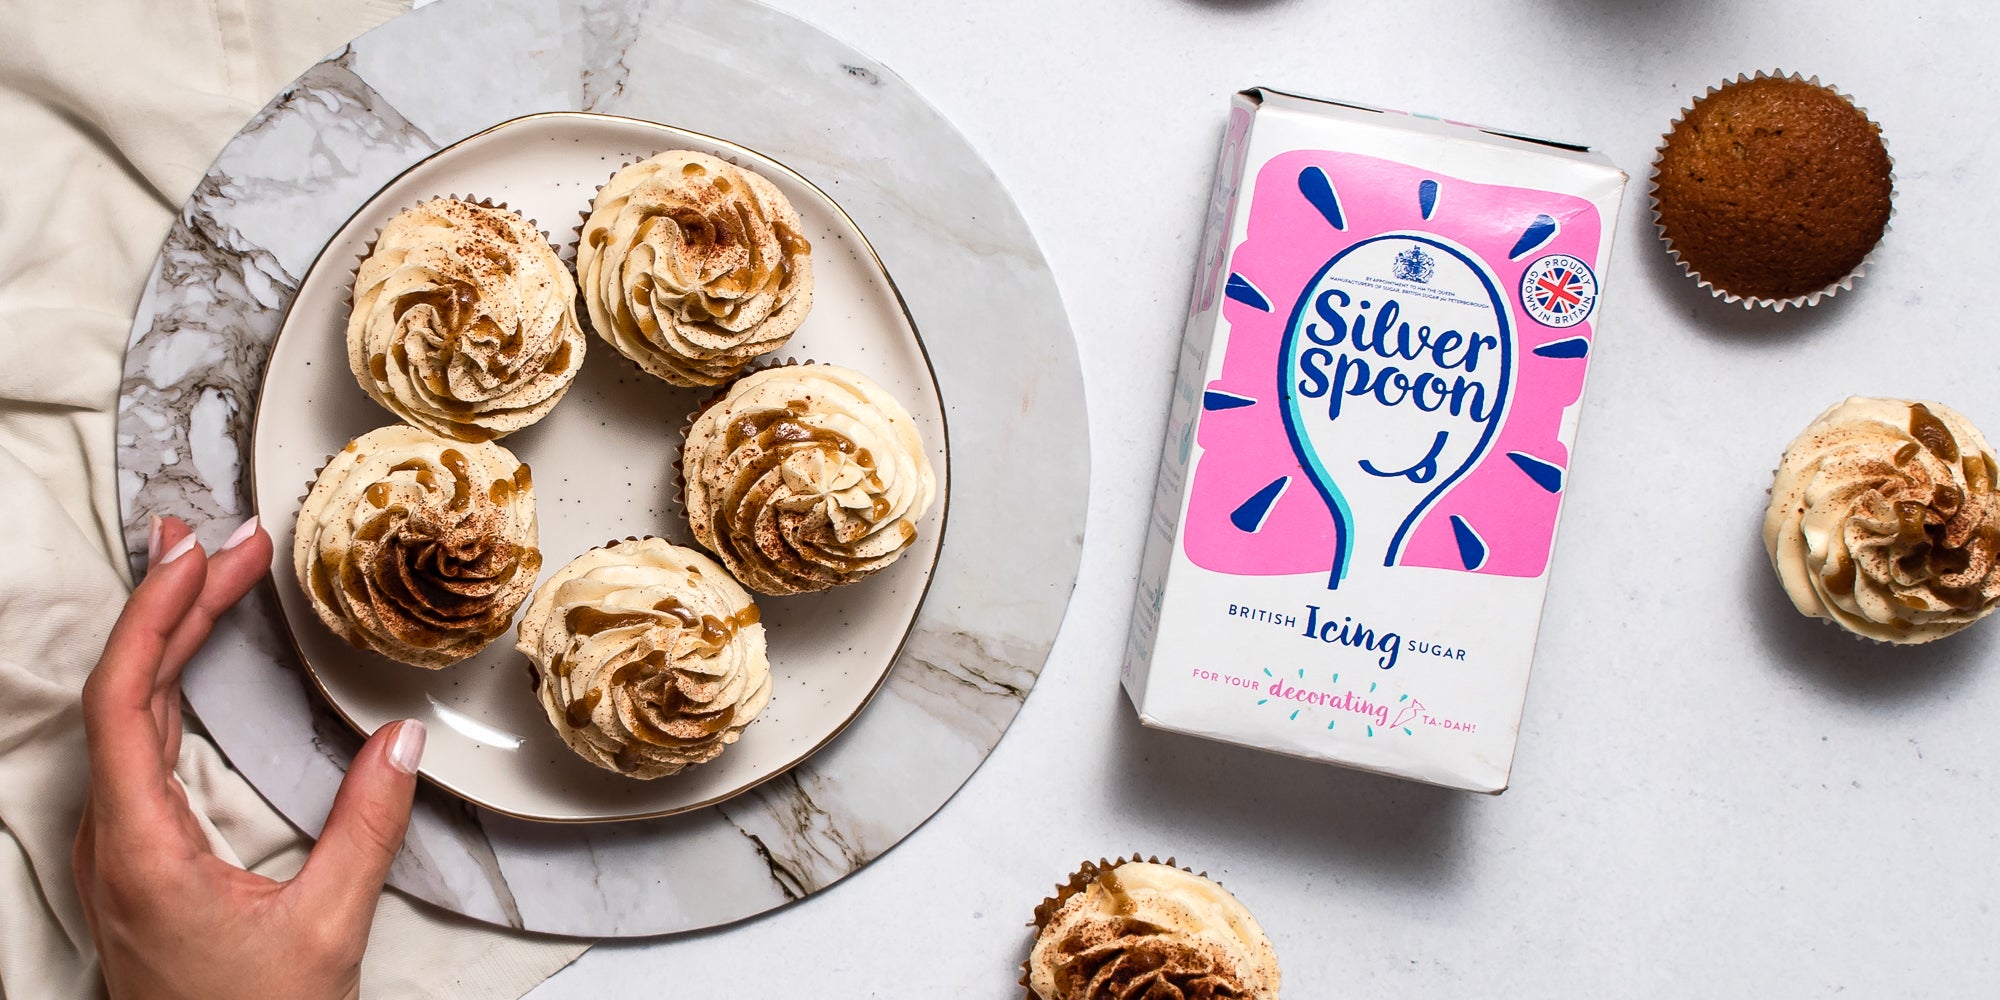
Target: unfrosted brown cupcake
point(1132, 928)
point(1772, 191)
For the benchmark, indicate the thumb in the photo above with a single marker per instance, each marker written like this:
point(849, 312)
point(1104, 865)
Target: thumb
point(364, 830)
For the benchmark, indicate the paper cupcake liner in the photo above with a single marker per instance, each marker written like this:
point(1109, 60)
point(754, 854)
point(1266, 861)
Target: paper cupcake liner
point(583, 217)
point(1845, 283)
point(1077, 882)
point(318, 472)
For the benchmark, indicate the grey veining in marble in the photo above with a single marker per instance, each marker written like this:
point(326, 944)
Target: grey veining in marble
point(960, 253)
point(219, 289)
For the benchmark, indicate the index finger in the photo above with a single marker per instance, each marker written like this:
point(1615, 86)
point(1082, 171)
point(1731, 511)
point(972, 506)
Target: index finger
point(128, 763)
point(233, 570)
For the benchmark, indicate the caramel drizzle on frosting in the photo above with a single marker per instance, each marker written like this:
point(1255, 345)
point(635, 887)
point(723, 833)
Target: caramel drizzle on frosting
point(775, 434)
point(668, 682)
point(1935, 535)
point(781, 488)
point(464, 320)
point(1107, 948)
point(410, 557)
point(692, 266)
point(1892, 509)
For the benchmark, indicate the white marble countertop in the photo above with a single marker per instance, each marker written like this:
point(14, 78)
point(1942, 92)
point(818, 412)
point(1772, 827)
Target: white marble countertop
point(1712, 796)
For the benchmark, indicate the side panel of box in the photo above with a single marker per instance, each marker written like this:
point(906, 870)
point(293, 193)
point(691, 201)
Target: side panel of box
point(1204, 312)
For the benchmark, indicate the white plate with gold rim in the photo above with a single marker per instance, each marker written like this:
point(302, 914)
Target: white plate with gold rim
point(603, 469)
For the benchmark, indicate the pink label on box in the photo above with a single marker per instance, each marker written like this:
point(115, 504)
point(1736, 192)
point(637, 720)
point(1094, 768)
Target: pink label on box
point(1401, 348)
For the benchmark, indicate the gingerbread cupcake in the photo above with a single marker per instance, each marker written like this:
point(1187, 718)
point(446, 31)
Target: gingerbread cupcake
point(416, 546)
point(1772, 191)
point(648, 657)
point(464, 321)
point(1885, 520)
point(693, 267)
point(1147, 929)
point(805, 477)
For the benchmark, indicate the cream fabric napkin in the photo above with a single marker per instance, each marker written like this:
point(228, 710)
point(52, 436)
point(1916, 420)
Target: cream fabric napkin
point(110, 111)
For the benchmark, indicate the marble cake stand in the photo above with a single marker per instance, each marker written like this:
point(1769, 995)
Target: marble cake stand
point(974, 280)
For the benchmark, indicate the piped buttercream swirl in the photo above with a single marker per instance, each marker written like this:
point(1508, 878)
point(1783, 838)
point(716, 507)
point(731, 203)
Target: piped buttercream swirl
point(692, 266)
point(464, 321)
point(416, 546)
point(1146, 930)
point(805, 477)
point(649, 657)
point(1884, 518)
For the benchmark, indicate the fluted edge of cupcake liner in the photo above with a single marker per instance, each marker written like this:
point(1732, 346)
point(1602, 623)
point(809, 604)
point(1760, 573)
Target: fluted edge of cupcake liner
point(1846, 282)
point(1077, 882)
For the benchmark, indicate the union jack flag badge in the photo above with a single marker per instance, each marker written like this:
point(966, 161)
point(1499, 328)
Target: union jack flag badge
point(1559, 291)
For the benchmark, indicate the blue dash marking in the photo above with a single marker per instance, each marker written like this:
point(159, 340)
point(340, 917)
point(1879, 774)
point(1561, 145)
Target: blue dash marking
point(1568, 347)
point(1547, 475)
point(1313, 183)
point(1537, 235)
point(1216, 399)
point(1240, 289)
point(1249, 516)
point(1471, 548)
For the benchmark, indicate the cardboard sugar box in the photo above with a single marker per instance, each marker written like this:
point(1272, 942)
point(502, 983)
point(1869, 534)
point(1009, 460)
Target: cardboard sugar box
point(1370, 438)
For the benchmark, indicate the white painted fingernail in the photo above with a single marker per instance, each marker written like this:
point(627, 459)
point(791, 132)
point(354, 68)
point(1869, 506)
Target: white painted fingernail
point(240, 535)
point(153, 542)
point(408, 749)
point(186, 546)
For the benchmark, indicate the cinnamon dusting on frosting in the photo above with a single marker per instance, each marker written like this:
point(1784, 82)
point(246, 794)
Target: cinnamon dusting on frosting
point(693, 267)
point(1148, 930)
point(464, 321)
point(805, 477)
point(1885, 519)
point(649, 658)
point(407, 544)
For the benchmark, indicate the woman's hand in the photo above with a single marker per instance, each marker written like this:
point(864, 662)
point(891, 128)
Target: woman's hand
point(170, 918)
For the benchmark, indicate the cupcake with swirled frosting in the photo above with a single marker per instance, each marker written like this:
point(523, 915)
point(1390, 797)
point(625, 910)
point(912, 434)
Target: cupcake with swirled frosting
point(649, 657)
point(1885, 520)
point(416, 546)
point(464, 321)
point(693, 267)
point(1128, 929)
point(805, 477)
